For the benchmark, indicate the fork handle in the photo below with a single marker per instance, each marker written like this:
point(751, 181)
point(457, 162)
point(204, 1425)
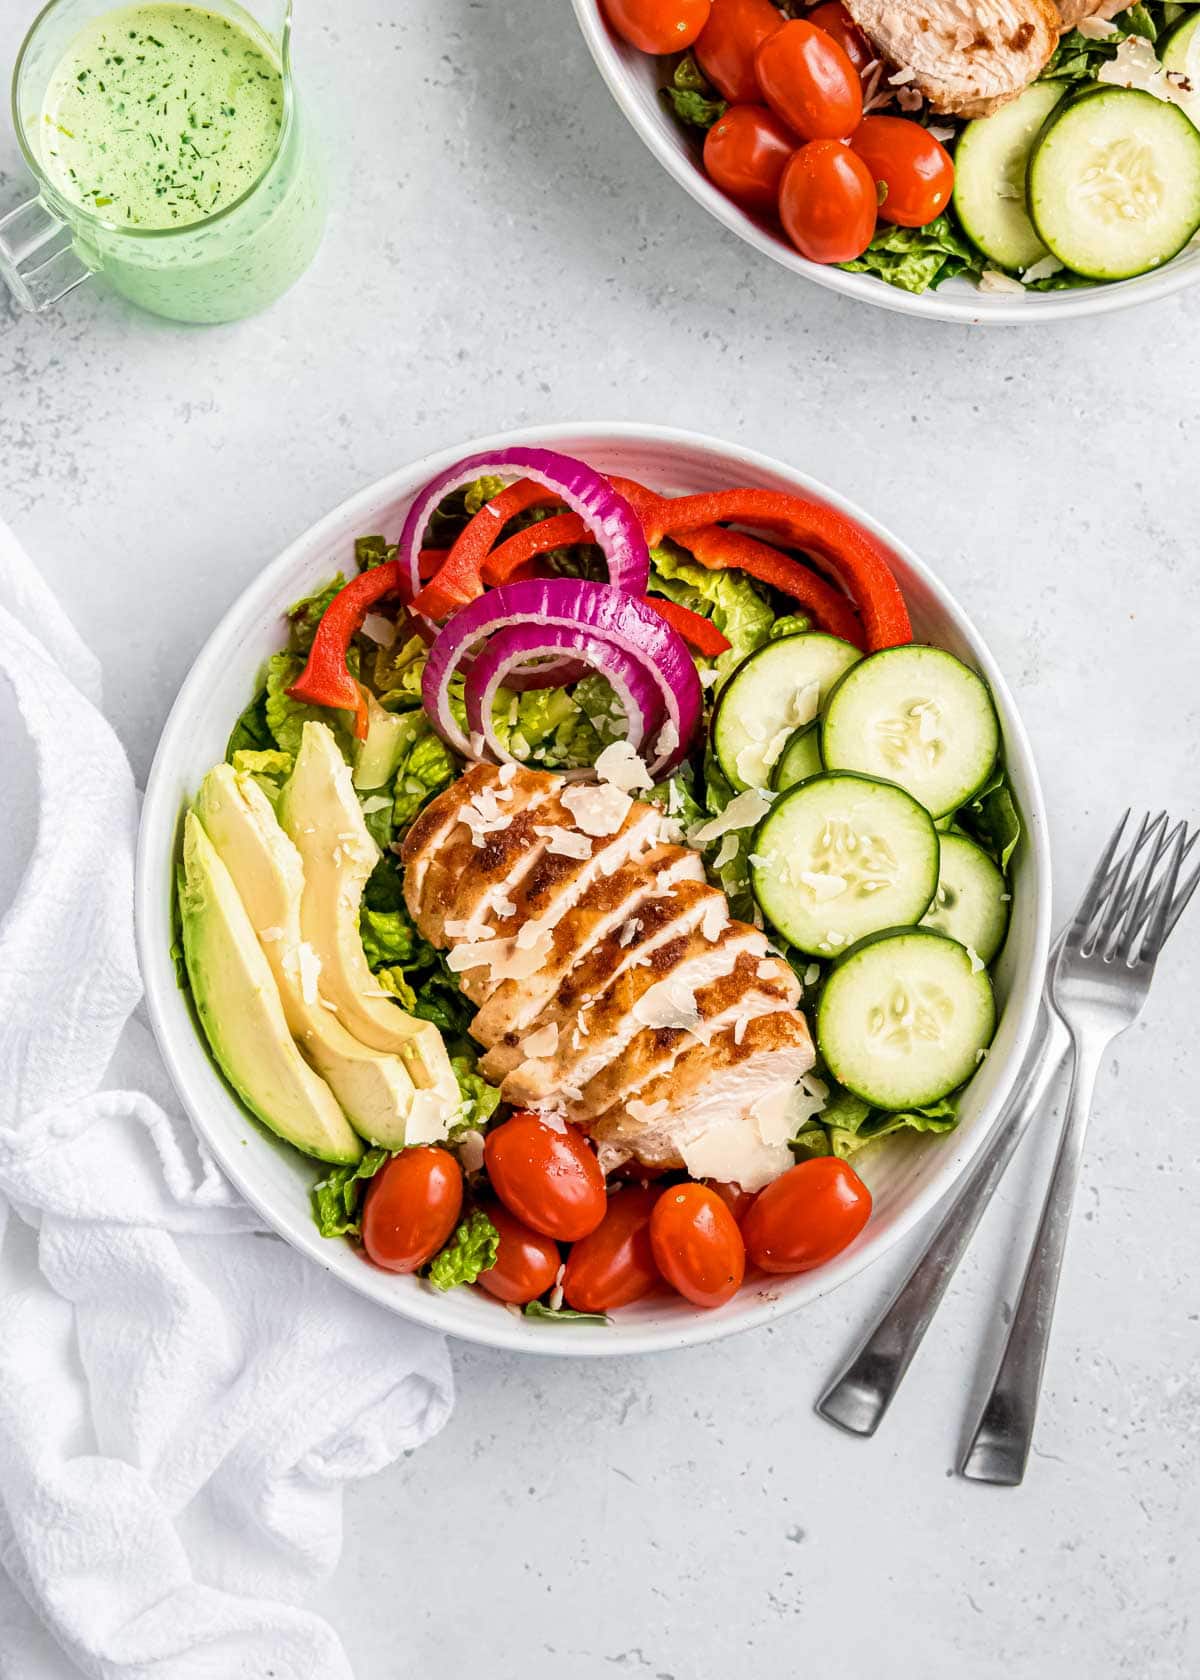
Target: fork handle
point(1000, 1443)
point(859, 1396)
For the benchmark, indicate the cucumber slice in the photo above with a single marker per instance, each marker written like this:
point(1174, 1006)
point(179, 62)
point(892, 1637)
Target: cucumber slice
point(1114, 183)
point(843, 856)
point(990, 162)
point(773, 692)
point(972, 899)
point(1175, 47)
point(904, 1018)
point(916, 716)
point(800, 759)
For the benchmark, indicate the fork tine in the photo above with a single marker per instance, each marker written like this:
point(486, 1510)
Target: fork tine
point(1182, 898)
point(1109, 932)
point(1156, 933)
point(1143, 900)
point(1097, 888)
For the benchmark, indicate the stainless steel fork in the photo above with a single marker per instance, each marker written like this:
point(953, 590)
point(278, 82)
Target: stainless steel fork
point(1100, 984)
point(859, 1395)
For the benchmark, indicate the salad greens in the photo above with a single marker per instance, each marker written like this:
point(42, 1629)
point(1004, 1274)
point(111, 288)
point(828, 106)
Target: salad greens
point(556, 728)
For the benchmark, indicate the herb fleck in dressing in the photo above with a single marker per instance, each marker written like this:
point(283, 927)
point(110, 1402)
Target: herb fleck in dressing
point(161, 115)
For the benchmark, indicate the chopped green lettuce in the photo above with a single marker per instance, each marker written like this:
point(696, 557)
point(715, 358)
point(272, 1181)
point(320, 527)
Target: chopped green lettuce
point(372, 551)
point(337, 1198)
point(789, 624)
point(690, 95)
point(992, 819)
point(270, 768)
point(731, 600)
point(425, 769)
point(251, 732)
point(479, 1099)
point(917, 258)
point(286, 717)
point(538, 1309)
point(471, 1250)
point(304, 615)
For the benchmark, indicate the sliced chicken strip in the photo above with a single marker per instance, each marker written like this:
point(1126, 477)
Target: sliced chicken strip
point(659, 992)
point(968, 57)
point(697, 1115)
point(431, 827)
point(672, 914)
point(494, 844)
point(756, 986)
point(611, 901)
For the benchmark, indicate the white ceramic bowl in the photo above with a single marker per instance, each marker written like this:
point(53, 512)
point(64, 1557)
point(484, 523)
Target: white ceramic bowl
point(906, 1176)
point(634, 79)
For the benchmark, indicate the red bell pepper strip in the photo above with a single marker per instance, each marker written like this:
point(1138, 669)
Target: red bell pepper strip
point(854, 557)
point(326, 679)
point(697, 631)
point(555, 532)
point(460, 578)
point(716, 548)
point(430, 561)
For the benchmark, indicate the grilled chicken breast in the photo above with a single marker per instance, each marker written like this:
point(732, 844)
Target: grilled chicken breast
point(967, 57)
point(614, 988)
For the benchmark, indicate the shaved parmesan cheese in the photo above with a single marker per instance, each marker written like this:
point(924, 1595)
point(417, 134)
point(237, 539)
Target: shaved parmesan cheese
point(550, 1113)
point(530, 932)
point(270, 935)
point(507, 772)
point(670, 831)
point(902, 76)
point(745, 811)
point(1096, 29)
point(503, 905)
point(380, 629)
point(726, 851)
point(505, 958)
point(472, 929)
point(628, 930)
point(377, 802)
point(823, 887)
point(1042, 269)
point(470, 1150)
point(668, 1003)
point(542, 1044)
point(598, 808)
point(715, 919)
point(668, 740)
point(564, 842)
point(483, 815)
point(940, 132)
point(991, 280)
point(620, 766)
point(646, 1113)
point(812, 974)
point(309, 965)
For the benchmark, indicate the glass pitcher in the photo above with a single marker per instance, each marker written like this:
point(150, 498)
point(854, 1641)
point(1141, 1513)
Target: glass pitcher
point(220, 268)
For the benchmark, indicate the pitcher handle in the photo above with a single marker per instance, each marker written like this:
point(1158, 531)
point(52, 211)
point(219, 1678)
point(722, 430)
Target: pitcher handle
point(38, 261)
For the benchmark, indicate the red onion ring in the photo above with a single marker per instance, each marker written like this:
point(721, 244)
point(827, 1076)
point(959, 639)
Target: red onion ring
point(549, 612)
point(639, 696)
point(615, 527)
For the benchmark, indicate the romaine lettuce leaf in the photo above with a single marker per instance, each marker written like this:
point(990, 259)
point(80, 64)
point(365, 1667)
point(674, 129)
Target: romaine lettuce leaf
point(286, 717)
point(471, 1250)
point(992, 819)
point(304, 615)
point(479, 1099)
point(730, 599)
point(372, 551)
point(337, 1198)
point(914, 259)
point(538, 1309)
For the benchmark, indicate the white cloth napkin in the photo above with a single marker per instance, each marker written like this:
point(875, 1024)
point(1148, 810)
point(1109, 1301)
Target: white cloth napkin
point(182, 1396)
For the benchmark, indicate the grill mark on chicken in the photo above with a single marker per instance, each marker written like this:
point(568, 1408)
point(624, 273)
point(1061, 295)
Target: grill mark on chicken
point(611, 938)
point(968, 57)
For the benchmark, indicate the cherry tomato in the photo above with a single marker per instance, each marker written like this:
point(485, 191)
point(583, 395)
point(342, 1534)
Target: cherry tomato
point(738, 1201)
point(548, 1178)
point(526, 1262)
point(697, 1245)
point(827, 202)
point(835, 20)
point(411, 1208)
point(726, 46)
point(745, 152)
point(807, 80)
point(658, 26)
point(916, 169)
point(807, 1216)
point(615, 1265)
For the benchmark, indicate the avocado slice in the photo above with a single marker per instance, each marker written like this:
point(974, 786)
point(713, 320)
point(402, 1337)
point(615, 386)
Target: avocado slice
point(373, 1087)
point(319, 811)
point(388, 735)
point(242, 1016)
